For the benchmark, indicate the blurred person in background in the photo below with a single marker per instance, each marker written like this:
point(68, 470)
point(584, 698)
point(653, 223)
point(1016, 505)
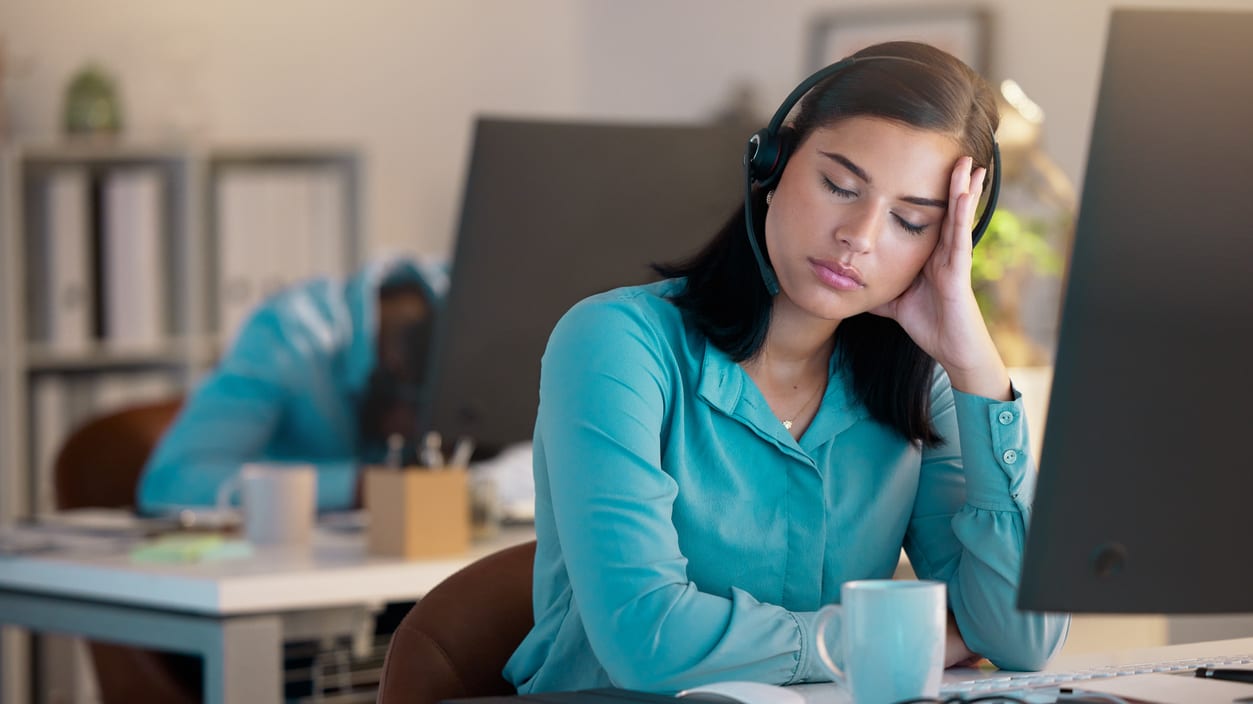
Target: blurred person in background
point(322, 373)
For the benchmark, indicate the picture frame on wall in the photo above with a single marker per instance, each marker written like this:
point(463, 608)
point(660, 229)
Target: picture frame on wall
point(961, 30)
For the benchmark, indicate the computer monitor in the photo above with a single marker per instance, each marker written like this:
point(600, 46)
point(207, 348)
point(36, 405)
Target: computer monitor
point(1145, 497)
point(553, 212)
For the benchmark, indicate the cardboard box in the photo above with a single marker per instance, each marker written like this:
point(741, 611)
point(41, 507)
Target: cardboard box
point(417, 513)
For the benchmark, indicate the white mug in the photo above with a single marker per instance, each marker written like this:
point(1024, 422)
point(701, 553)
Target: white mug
point(884, 642)
point(279, 502)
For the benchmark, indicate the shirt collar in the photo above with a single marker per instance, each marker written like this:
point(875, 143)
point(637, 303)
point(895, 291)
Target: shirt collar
point(726, 387)
point(839, 410)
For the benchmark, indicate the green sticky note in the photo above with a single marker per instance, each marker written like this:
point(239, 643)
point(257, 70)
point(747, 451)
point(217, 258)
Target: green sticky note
point(184, 548)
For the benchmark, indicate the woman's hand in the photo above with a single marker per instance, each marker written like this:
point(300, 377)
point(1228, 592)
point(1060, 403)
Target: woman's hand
point(938, 310)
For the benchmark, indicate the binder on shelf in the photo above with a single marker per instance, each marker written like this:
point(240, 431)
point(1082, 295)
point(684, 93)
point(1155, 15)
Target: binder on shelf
point(329, 211)
point(132, 259)
point(63, 296)
point(289, 216)
point(113, 392)
point(59, 404)
point(277, 226)
point(50, 425)
point(241, 236)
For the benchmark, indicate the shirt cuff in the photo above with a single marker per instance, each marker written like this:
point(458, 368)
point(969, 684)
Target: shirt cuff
point(995, 451)
point(809, 668)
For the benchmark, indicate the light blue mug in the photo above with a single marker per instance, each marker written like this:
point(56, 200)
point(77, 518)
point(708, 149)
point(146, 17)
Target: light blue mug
point(884, 643)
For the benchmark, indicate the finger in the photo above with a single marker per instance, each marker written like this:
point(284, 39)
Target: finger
point(976, 189)
point(965, 226)
point(976, 180)
point(964, 243)
point(959, 184)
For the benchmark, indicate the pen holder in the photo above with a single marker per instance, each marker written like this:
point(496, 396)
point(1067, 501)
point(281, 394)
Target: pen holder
point(417, 513)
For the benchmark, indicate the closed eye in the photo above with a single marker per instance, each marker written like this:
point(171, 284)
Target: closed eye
point(841, 192)
point(909, 226)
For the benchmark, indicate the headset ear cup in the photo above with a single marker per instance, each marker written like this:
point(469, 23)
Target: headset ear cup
point(781, 150)
point(761, 153)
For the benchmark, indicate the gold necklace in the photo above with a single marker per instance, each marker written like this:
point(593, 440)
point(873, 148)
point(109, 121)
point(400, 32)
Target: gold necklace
point(787, 422)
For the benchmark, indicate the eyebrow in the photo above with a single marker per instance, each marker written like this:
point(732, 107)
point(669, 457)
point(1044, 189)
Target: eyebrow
point(861, 174)
point(848, 164)
point(919, 200)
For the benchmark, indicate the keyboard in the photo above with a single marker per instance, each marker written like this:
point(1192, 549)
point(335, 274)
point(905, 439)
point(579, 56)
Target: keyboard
point(1046, 687)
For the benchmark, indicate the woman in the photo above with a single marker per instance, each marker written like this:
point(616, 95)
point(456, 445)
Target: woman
point(713, 461)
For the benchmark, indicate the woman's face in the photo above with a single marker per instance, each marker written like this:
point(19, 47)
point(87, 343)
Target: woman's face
point(857, 213)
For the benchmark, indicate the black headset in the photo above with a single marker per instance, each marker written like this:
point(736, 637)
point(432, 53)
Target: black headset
point(769, 148)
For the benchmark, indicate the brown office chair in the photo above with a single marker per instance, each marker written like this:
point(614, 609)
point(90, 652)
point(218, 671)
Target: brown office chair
point(99, 466)
point(100, 463)
point(456, 639)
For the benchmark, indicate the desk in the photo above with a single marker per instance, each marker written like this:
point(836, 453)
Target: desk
point(827, 693)
point(1161, 653)
point(235, 614)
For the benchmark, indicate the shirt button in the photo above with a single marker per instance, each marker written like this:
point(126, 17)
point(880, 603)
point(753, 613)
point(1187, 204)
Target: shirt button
point(1005, 417)
point(1010, 456)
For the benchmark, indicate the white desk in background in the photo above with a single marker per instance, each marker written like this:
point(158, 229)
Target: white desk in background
point(233, 613)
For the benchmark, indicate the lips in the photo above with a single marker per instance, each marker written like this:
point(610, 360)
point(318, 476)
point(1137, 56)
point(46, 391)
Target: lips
point(836, 275)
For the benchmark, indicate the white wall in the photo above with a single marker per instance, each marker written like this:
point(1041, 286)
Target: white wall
point(403, 78)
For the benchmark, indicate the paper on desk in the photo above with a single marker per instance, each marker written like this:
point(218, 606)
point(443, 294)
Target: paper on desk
point(1157, 688)
point(24, 543)
point(99, 521)
point(512, 473)
point(822, 693)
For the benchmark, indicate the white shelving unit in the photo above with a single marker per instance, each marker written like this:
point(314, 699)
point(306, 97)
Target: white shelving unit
point(11, 427)
point(14, 647)
point(185, 226)
point(150, 230)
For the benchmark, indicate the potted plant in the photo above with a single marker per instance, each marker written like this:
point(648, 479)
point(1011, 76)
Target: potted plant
point(1014, 251)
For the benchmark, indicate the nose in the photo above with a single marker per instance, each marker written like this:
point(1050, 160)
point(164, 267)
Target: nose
point(859, 230)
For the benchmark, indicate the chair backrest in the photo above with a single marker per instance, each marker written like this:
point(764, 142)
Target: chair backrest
point(98, 466)
point(456, 640)
point(100, 463)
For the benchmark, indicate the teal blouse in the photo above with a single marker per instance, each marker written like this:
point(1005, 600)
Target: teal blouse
point(685, 537)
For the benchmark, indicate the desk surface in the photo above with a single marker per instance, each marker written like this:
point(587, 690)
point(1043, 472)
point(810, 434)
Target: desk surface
point(1198, 691)
point(828, 693)
point(1183, 651)
point(336, 572)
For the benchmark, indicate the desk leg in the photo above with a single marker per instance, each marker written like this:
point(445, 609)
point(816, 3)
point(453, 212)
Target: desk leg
point(245, 664)
point(14, 665)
